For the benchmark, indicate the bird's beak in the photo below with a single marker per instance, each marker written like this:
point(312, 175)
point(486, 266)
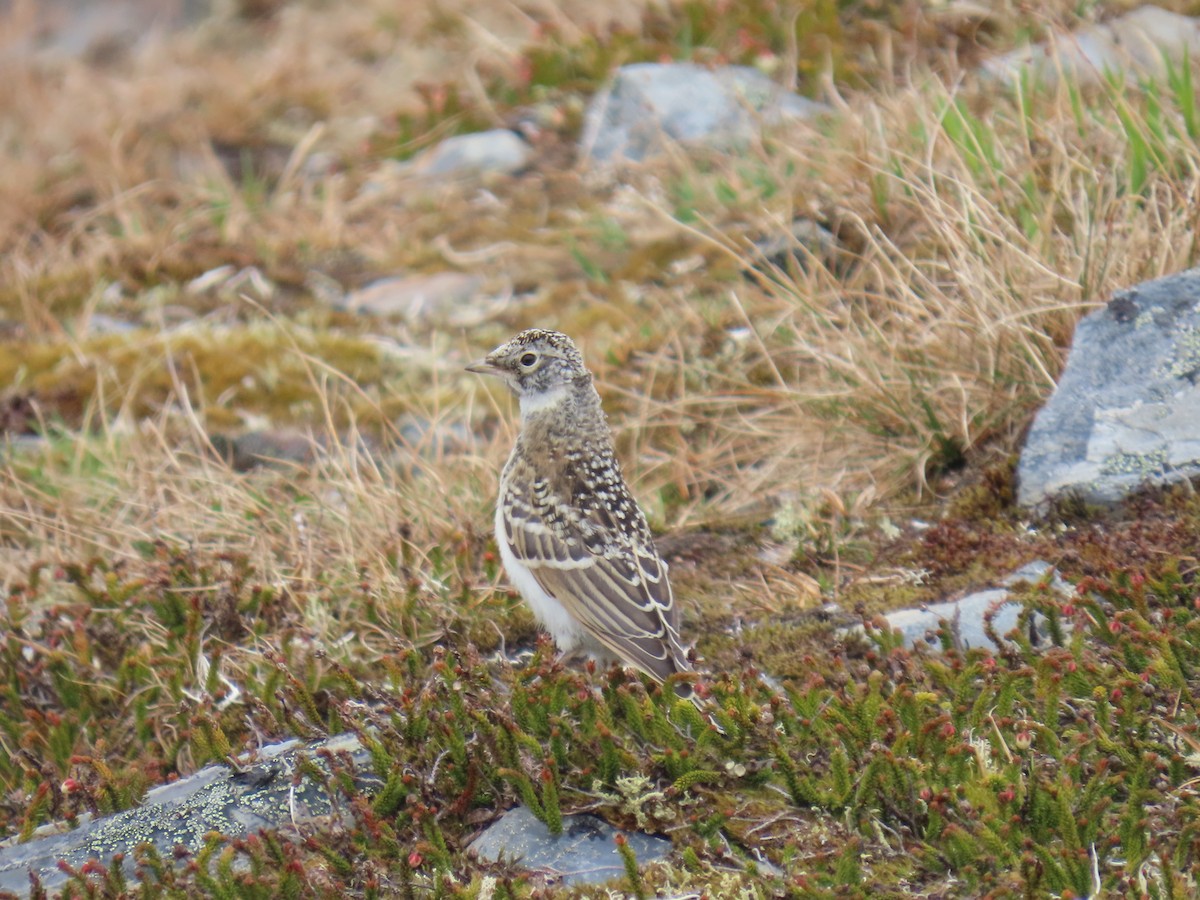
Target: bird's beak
point(483, 367)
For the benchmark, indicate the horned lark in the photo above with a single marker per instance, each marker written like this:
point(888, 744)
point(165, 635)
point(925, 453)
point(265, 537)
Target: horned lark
point(572, 539)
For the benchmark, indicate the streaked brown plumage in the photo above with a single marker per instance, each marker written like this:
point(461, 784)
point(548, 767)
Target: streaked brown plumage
point(573, 540)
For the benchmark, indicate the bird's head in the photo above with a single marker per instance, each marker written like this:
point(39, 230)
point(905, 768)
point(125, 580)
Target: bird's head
point(539, 366)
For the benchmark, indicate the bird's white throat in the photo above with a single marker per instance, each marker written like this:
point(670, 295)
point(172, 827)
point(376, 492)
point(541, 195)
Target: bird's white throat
point(543, 400)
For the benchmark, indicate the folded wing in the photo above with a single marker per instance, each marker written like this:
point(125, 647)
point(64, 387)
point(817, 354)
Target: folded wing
point(599, 561)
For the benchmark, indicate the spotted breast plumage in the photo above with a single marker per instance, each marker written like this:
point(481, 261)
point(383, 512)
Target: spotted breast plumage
point(571, 537)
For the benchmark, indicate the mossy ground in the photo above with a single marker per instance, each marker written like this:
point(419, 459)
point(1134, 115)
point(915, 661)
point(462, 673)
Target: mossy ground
point(828, 426)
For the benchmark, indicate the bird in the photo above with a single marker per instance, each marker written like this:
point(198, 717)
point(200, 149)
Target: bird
point(572, 539)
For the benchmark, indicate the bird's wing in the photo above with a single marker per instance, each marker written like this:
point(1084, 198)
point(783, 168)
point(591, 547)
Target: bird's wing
point(606, 573)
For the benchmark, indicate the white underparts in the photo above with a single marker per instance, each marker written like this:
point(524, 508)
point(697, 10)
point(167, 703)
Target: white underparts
point(551, 614)
point(535, 403)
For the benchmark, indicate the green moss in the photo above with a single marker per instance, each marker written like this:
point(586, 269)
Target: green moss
point(230, 374)
point(905, 591)
point(784, 647)
point(991, 498)
point(59, 295)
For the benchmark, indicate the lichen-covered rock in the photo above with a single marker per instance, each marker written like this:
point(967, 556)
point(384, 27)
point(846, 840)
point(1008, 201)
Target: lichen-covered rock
point(271, 793)
point(1127, 408)
point(648, 105)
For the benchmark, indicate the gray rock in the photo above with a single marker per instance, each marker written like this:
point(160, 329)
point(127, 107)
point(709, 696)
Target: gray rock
point(269, 794)
point(803, 238)
point(283, 447)
point(433, 438)
point(967, 616)
point(463, 155)
point(1139, 42)
point(648, 105)
point(73, 29)
point(101, 323)
point(1126, 411)
point(416, 298)
point(230, 281)
point(585, 852)
point(16, 444)
point(293, 448)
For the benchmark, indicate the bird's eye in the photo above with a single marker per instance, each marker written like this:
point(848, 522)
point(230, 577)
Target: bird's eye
point(529, 360)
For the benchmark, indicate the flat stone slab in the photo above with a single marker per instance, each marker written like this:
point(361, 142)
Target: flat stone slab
point(647, 106)
point(967, 616)
point(1126, 412)
point(585, 852)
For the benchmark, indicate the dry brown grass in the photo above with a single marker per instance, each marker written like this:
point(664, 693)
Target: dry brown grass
point(932, 332)
point(110, 173)
point(941, 328)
